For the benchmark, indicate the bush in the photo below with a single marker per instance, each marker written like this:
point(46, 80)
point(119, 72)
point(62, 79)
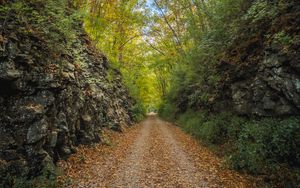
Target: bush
point(167, 111)
point(251, 147)
point(47, 179)
point(139, 112)
point(265, 146)
point(269, 146)
point(261, 10)
point(191, 121)
point(210, 132)
point(234, 127)
point(283, 38)
point(285, 142)
point(211, 129)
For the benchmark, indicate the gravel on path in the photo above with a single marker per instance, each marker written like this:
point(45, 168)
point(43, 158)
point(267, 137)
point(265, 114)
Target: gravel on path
point(154, 153)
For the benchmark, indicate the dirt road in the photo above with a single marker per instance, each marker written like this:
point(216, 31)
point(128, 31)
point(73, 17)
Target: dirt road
point(152, 154)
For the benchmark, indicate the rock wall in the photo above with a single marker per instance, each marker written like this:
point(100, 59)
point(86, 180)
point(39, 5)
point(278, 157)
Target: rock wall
point(262, 69)
point(51, 102)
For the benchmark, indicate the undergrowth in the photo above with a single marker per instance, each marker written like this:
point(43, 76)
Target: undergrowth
point(47, 179)
point(43, 20)
point(268, 147)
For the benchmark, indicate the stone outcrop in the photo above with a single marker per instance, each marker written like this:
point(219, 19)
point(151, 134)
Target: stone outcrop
point(49, 104)
point(273, 90)
point(261, 71)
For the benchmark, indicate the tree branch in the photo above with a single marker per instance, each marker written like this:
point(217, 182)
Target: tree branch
point(169, 25)
point(152, 46)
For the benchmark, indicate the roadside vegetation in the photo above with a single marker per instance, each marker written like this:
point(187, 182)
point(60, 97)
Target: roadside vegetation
point(264, 146)
point(183, 58)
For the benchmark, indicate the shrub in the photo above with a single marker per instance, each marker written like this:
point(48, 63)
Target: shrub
point(211, 129)
point(261, 10)
point(191, 122)
point(139, 111)
point(167, 111)
point(283, 38)
point(266, 146)
point(251, 144)
point(234, 127)
point(210, 132)
point(285, 142)
point(47, 179)
point(269, 146)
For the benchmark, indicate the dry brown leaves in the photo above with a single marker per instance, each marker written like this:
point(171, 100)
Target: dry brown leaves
point(89, 162)
point(207, 161)
point(152, 154)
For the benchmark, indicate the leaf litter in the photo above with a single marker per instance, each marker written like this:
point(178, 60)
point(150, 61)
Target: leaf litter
point(153, 153)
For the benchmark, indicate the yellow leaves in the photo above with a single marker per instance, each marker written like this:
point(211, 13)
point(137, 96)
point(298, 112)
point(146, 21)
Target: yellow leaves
point(90, 162)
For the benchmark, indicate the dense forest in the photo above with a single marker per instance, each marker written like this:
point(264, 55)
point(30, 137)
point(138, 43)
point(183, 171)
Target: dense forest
point(225, 71)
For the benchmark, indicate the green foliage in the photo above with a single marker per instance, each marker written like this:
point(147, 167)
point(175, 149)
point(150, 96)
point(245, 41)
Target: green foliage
point(47, 20)
point(194, 81)
point(283, 38)
point(251, 147)
point(116, 27)
point(263, 146)
point(139, 112)
point(261, 10)
point(110, 75)
point(192, 122)
point(173, 53)
point(234, 127)
point(170, 50)
point(167, 111)
point(211, 129)
point(260, 147)
point(47, 179)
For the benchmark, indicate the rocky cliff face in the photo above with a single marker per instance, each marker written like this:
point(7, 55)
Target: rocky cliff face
point(262, 69)
point(54, 95)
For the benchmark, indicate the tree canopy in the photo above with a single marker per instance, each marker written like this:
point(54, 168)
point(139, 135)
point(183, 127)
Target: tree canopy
point(148, 41)
point(170, 53)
